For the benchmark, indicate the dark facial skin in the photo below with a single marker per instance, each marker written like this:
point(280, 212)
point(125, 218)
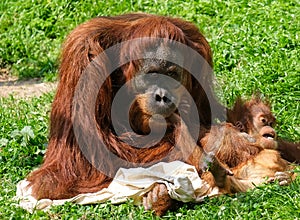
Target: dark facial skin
point(159, 87)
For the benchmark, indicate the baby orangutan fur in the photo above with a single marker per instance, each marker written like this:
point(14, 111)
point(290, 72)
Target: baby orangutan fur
point(249, 146)
point(249, 162)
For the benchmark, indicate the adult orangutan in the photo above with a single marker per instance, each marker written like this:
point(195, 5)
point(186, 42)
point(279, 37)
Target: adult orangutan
point(152, 58)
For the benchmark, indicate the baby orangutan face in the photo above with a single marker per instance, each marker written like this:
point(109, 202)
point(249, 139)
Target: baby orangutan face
point(257, 120)
point(263, 122)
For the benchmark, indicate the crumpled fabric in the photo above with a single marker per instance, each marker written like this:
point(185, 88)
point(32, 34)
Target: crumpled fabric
point(182, 181)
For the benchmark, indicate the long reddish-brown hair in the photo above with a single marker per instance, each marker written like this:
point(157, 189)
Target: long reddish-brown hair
point(65, 171)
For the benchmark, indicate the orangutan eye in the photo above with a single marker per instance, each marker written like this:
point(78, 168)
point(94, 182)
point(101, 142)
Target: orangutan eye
point(172, 74)
point(263, 121)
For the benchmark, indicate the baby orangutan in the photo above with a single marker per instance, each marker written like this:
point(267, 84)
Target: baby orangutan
point(255, 118)
point(248, 146)
point(250, 163)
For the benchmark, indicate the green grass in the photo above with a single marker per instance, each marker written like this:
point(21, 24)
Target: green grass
point(256, 48)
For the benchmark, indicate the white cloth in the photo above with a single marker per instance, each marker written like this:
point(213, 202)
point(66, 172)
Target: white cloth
point(182, 181)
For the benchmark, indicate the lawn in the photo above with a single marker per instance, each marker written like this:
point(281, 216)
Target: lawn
point(256, 47)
